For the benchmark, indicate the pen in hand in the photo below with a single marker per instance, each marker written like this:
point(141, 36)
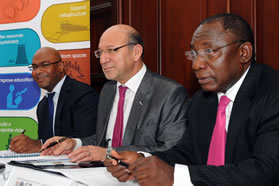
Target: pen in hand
point(119, 162)
point(54, 143)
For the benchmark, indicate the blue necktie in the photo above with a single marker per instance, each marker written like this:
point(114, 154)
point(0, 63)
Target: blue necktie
point(49, 132)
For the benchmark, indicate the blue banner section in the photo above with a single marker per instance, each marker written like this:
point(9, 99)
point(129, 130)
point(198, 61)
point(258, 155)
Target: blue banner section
point(18, 47)
point(18, 91)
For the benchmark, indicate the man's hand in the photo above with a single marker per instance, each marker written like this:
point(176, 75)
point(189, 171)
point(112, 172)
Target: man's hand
point(152, 171)
point(88, 153)
point(24, 144)
point(64, 147)
point(118, 171)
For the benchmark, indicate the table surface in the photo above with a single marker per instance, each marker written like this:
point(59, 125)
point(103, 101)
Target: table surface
point(90, 176)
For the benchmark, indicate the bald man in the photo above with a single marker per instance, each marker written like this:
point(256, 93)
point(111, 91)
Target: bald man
point(75, 103)
point(154, 113)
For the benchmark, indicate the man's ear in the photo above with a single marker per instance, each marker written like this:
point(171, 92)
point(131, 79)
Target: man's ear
point(137, 52)
point(61, 66)
point(246, 52)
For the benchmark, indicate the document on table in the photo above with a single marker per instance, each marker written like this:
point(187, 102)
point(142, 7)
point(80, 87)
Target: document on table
point(11, 154)
point(97, 176)
point(48, 161)
point(38, 160)
point(23, 176)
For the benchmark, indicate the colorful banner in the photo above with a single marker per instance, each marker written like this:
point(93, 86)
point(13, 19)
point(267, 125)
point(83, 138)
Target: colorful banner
point(26, 26)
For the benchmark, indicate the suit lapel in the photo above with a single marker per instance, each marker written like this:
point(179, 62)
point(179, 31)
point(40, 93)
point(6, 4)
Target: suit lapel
point(140, 104)
point(42, 117)
point(206, 119)
point(240, 110)
point(106, 111)
point(44, 110)
point(66, 87)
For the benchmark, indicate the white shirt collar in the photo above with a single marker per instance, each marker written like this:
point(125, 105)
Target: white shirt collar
point(231, 92)
point(58, 86)
point(134, 83)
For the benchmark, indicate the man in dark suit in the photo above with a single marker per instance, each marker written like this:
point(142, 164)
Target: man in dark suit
point(154, 108)
point(222, 55)
point(75, 103)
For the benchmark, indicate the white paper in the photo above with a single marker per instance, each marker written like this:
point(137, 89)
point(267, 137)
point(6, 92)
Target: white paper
point(42, 158)
point(49, 161)
point(11, 154)
point(23, 176)
point(97, 176)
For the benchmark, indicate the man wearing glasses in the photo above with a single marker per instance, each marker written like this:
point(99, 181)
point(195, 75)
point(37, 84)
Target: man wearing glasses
point(138, 109)
point(232, 136)
point(68, 109)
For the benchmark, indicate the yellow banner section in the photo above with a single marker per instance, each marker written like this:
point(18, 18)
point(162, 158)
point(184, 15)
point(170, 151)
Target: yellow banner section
point(67, 22)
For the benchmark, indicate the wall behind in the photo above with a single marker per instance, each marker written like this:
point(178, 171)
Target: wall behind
point(167, 27)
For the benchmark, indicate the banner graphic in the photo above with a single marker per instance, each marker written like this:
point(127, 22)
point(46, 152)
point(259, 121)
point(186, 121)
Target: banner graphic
point(26, 26)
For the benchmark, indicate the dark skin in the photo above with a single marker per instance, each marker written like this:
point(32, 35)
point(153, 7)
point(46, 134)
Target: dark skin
point(47, 78)
point(24, 144)
point(216, 73)
point(226, 66)
point(143, 171)
point(146, 171)
point(120, 172)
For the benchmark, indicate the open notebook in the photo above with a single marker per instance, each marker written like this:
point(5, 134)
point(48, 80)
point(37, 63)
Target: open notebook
point(11, 154)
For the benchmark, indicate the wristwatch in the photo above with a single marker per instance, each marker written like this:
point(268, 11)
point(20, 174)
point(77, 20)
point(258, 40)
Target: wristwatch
point(108, 152)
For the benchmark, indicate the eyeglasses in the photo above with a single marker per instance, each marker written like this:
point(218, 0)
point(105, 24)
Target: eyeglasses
point(98, 53)
point(206, 53)
point(44, 65)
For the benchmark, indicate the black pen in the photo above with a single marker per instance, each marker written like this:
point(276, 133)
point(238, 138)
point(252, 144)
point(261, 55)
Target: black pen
point(54, 143)
point(23, 131)
point(119, 162)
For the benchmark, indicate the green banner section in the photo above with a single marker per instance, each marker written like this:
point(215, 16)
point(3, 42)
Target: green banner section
point(13, 126)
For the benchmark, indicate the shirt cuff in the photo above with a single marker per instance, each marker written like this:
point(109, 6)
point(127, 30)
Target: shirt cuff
point(78, 143)
point(181, 175)
point(145, 154)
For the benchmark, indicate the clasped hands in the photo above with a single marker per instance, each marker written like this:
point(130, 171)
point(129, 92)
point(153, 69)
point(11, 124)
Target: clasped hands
point(146, 171)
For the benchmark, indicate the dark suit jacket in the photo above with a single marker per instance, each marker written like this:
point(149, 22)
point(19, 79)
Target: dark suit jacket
point(157, 117)
point(252, 148)
point(76, 110)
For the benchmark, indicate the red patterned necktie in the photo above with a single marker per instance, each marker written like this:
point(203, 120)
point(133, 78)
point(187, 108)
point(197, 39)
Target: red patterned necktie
point(216, 154)
point(118, 126)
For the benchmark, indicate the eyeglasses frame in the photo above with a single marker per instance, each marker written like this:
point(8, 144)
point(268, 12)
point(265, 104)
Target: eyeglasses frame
point(111, 49)
point(44, 64)
point(213, 50)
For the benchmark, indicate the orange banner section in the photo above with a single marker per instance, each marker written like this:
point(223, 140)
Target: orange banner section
point(77, 64)
point(12, 11)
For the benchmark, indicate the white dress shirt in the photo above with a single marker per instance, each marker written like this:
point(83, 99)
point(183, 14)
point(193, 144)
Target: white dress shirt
point(133, 85)
point(181, 172)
